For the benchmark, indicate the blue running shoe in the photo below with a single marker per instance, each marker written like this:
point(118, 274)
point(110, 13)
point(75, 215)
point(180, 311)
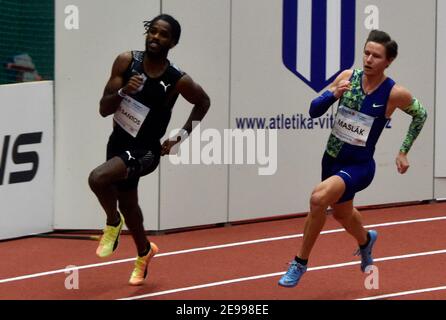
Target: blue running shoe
point(292, 276)
point(366, 253)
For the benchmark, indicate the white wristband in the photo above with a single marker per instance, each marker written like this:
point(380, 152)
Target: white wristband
point(121, 94)
point(181, 136)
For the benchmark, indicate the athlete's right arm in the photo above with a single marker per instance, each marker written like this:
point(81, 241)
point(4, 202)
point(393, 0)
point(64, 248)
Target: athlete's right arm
point(336, 89)
point(111, 100)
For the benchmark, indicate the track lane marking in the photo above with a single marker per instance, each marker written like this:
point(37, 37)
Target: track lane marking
point(276, 274)
point(228, 245)
point(404, 293)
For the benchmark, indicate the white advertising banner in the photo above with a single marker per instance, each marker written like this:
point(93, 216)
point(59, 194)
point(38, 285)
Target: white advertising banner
point(26, 159)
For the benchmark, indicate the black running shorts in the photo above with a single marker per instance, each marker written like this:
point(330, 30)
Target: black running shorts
point(139, 162)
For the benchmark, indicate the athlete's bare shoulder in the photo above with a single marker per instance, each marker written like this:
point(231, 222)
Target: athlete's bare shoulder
point(122, 61)
point(400, 97)
point(344, 75)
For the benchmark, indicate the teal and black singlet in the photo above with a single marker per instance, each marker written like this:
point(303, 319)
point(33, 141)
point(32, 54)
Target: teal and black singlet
point(355, 163)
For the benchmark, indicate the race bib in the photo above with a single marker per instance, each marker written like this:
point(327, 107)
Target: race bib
point(352, 126)
point(130, 115)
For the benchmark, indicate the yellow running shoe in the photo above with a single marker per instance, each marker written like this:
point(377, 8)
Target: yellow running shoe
point(141, 263)
point(110, 239)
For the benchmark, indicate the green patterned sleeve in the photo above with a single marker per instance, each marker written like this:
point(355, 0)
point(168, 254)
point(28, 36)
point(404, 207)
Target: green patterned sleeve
point(419, 116)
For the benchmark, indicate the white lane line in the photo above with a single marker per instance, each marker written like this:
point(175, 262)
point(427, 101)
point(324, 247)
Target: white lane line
point(42, 274)
point(228, 245)
point(404, 293)
point(300, 235)
point(277, 274)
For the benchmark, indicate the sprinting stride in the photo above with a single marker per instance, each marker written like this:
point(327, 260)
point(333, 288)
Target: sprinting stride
point(140, 94)
point(368, 99)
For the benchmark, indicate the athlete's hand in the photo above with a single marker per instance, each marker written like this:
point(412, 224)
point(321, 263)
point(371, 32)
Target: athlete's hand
point(343, 86)
point(134, 84)
point(167, 146)
point(402, 164)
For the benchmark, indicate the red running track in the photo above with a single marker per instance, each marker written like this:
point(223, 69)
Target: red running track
point(410, 257)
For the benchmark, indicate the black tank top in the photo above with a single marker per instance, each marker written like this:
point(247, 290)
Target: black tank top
point(159, 95)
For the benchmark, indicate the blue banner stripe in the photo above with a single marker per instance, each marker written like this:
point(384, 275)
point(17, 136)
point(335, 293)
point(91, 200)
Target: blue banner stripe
point(319, 41)
point(348, 33)
point(289, 42)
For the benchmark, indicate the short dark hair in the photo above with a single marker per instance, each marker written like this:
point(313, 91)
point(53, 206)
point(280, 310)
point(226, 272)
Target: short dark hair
point(383, 38)
point(174, 25)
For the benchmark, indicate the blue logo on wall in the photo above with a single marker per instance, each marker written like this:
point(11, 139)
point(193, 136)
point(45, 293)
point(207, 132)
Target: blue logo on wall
point(318, 39)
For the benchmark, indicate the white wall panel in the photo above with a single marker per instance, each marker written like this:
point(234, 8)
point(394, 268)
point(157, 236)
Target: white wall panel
point(440, 111)
point(440, 188)
point(440, 124)
point(261, 86)
point(197, 194)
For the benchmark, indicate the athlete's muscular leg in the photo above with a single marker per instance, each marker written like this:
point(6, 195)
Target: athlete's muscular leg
point(325, 194)
point(101, 181)
point(129, 207)
point(350, 218)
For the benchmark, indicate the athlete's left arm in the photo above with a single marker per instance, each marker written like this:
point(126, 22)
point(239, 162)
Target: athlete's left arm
point(193, 93)
point(402, 99)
